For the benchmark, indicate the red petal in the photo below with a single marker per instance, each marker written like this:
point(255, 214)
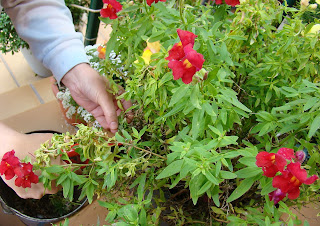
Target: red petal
point(3, 167)
point(111, 10)
point(280, 162)
point(294, 193)
point(264, 159)
point(196, 59)
point(287, 153)
point(186, 37)
point(33, 178)
point(295, 169)
point(218, 2)
point(270, 171)
point(19, 172)
point(281, 182)
point(18, 182)
point(177, 69)
point(9, 174)
point(188, 75)
point(149, 2)
point(232, 2)
point(311, 179)
point(116, 5)
point(176, 52)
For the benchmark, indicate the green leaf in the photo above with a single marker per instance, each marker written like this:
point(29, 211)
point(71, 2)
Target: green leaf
point(171, 169)
point(178, 95)
point(140, 189)
point(244, 186)
point(227, 175)
point(194, 98)
point(90, 191)
point(111, 215)
point(143, 217)
point(310, 103)
point(249, 172)
point(314, 126)
point(209, 109)
point(217, 210)
point(54, 169)
point(211, 178)
point(66, 222)
point(119, 138)
point(204, 188)
point(62, 178)
point(267, 188)
point(248, 161)
point(237, 37)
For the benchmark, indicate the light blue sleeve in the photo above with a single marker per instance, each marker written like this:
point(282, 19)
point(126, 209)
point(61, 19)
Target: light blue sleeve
point(47, 27)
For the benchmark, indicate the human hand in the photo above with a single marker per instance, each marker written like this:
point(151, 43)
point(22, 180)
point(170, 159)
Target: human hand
point(89, 90)
point(25, 145)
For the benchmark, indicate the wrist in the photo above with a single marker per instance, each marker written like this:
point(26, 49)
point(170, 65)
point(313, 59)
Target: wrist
point(73, 74)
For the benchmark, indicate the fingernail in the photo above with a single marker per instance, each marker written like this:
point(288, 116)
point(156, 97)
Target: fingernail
point(113, 126)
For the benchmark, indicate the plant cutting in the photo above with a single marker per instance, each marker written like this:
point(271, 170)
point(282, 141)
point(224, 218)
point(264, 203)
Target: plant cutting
point(226, 116)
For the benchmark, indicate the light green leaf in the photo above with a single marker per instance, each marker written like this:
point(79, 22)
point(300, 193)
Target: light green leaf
point(227, 175)
point(171, 169)
point(248, 172)
point(314, 126)
point(244, 186)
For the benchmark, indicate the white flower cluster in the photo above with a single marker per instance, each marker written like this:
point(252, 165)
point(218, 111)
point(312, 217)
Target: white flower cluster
point(92, 55)
point(114, 58)
point(65, 98)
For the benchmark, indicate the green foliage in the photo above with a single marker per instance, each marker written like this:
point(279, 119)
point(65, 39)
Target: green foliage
point(9, 39)
point(258, 91)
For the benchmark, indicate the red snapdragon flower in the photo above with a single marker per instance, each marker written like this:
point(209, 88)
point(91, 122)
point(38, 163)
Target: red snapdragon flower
point(8, 164)
point(177, 51)
point(149, 2)
point(111, 10)
point(228, 2)
point(25, 175)
point(11, 166)
point(271, 163)
point(187, 66)
point(183, 59)
point(290, 181)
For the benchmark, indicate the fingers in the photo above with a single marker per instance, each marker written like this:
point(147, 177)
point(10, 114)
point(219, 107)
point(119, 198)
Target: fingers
point(109, 111)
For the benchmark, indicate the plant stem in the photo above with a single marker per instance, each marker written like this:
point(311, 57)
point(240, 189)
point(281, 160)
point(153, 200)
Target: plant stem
point(84, 8)
point(150, 152)
point(181, 7)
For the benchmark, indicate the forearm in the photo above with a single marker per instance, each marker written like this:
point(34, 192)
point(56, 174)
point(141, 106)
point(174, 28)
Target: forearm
point(23, 145)
point(47, 27)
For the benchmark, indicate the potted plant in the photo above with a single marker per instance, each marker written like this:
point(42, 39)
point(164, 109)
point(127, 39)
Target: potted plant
point(226, 122)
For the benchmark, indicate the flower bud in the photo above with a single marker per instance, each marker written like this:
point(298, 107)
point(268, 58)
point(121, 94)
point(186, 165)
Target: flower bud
point(315, 29)
point(300, 156)
point(313, 6)
point(304, 3)
point(130, 3)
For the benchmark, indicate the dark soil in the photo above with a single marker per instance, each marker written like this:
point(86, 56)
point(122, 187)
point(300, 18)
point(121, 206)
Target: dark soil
point(48, 207)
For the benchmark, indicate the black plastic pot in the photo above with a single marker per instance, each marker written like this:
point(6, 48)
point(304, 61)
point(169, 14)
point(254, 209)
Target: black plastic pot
point(7, 195)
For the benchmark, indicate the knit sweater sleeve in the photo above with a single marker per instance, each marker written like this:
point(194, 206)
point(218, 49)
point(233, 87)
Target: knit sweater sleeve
point(46, 25)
